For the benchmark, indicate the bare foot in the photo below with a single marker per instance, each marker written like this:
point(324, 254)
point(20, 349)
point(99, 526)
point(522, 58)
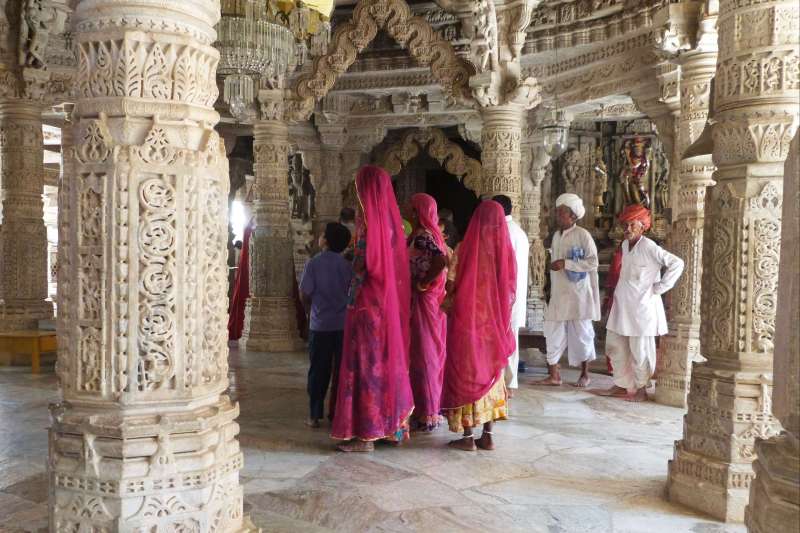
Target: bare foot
point(582, 382)
point(485, 442)
point(356, 445)
point(638, 396)
point(548, 382)
point(510, 393)
point(613, 391)
point(466, 444)
point(312, 422)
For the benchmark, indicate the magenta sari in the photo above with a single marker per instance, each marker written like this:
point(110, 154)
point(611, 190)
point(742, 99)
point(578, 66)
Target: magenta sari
point(479, 338)
point(374, 399)
point(428, 321)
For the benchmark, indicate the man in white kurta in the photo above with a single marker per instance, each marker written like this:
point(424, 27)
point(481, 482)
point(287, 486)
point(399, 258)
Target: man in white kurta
point(521, 246)
point(574, 294)
point(637, 312)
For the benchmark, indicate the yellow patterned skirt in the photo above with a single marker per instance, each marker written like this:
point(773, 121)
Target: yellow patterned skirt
point(493, 406)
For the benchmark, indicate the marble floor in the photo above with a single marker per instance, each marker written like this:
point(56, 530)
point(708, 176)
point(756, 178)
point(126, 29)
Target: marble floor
point(567, 461)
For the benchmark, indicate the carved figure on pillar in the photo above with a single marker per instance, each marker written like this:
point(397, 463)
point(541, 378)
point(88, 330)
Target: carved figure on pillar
point(636, 152)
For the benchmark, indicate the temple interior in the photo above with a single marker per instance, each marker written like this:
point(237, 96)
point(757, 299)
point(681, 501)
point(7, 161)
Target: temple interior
point(141, 140)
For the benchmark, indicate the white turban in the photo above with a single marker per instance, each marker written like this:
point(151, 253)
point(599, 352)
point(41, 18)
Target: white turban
point(574, 202)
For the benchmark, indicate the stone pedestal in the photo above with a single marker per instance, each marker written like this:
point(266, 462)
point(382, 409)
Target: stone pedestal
point(143, 438)
point(681, 347)
point(501, 155)
point(270, 324)
point(775, 492)
point(23, 237)
point(730, 398)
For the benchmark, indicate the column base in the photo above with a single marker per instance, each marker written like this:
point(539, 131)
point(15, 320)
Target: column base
point(712, 487)
point(775, 492)
point(673, 372)
point(270, 326)
point(156, 470)
point(15, 317)
point(712, 469)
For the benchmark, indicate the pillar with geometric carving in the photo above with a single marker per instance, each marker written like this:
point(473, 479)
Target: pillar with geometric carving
point(270, 324)
point(23, 237)
point(501, 155)
point(730, 399)
point(144, 438)
point(681, 347)
point(775, 492)
point(333, 139)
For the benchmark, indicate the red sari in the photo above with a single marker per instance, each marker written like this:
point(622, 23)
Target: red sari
point(428, 321)
point(374, 397)
point(241, 288)
point(479, 338)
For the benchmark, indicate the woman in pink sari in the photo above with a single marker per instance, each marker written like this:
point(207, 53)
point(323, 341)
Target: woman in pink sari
point(374, 399)
point(479, 339)
point(427, 253)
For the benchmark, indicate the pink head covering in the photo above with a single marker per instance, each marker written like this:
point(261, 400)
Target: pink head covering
point(428, 216)
point(388, 277)
point(479, 336)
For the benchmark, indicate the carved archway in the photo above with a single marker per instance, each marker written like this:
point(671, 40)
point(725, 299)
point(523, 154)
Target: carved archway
point(449, 154)
point(411, 32)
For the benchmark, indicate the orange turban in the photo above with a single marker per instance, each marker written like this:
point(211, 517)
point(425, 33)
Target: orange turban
point(636, 212)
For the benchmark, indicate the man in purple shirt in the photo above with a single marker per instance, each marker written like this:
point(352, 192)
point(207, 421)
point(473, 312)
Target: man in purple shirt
point(326, 280)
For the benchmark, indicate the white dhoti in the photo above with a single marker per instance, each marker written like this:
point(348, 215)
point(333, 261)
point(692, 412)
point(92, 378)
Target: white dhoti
point(513, 364)
point(576, 337)
point(633, 359)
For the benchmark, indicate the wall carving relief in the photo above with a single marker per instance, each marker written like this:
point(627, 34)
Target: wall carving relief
point(449, 154)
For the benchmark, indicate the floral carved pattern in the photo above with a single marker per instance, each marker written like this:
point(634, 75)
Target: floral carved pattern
point(439, 147)
point(410, 32)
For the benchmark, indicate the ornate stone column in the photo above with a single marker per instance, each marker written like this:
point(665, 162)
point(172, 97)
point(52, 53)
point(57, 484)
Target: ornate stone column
point(730, 400)
point(501, 154)
point(23, 237)
point(270, 324)
point(329, 195)
point(537, 162)
point(144, 439)
point(775, 492)
point(681, 346)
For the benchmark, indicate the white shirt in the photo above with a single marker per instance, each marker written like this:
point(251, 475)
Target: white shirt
point(637, 310)
point(521, 246)
point(574, 300)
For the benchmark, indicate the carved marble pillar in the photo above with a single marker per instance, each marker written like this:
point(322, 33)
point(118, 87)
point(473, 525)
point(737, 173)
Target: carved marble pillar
point(23, 238)
point(329, 194)
point(730, 399)
point(270, 324)
point(143, 438)
point(681, 346)
point(501, 155)
point(530, 220)
point(775, 492)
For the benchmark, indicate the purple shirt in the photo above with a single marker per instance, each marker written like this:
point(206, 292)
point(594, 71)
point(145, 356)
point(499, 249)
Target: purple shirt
point(326, 280)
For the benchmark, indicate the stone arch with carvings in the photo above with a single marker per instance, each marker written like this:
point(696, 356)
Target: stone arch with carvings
point(449, 154)
point(411, 32)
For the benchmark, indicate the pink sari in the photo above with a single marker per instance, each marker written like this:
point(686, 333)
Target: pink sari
point(374, 397)
point(428, 321)
point(479, 339)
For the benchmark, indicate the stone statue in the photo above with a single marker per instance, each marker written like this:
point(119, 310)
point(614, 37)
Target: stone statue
point(571, 170)
point(308, 197)
point(636, 163)
point(661, 200)
point(38, 19)
point(600, 181)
